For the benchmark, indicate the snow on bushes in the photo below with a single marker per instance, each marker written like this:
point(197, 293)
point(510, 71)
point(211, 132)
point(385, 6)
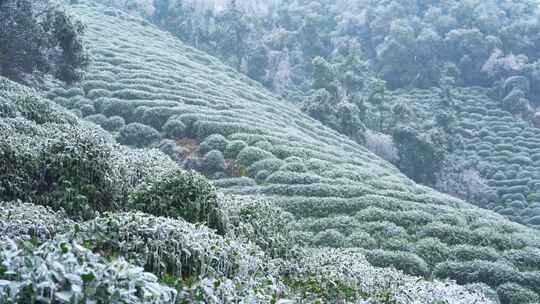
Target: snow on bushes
point(138, 135)
point(24, 221)
point(169, 246)
point(249, 155)
point(213, 161)
point(174, 128)
point(62, 271)
point(179, 194)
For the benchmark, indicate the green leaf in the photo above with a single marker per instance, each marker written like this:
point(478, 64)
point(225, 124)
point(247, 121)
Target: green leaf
point(3, 270)
point(88, 277)
point(27, 245)
point(64, 248)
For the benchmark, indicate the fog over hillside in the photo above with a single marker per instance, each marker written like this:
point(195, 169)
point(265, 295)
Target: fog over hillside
point(179, 151)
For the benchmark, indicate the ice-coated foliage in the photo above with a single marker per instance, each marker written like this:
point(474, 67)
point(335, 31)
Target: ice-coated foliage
point(213, 161)
point(235, 182)
point(98, 119)
point(213, 142)
point(432, 251)
point(510, 293)
point(494, 146)
point(70, 170)
point(174, 128)
point(63, 271)
point(114, 123)
point(345, 274)
point(39, 39)
point(179, 194)
point(249, 155)
point(270, 165)
point(407, 262)
point(233, 148)
point(260, 222)
point(24, 221)
point(138, 135)
point(169, 246)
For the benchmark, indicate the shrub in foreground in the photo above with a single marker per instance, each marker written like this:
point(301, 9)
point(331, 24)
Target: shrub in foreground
point(62, 271)
point(184, 194)
point(165, 245)
point(23, 221)
point(70, 171)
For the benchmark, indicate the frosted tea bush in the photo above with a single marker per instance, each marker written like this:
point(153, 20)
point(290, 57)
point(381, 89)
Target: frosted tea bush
point(213, 161)
point(174, 128)
point(138, 135)
point(24, 221)
point(179, 194)
point(213, 142)
point(63, 271)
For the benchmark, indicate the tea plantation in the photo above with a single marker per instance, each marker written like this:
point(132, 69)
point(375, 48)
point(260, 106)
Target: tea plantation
point(503, 147)
point(72, 229)
point(150, 90)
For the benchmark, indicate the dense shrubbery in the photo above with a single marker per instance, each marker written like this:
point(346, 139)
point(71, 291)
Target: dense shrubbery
point(114, 123)
point(417, 44)
point(174, 128)
point(407, 262)
point(138, 135)
point(233, 148)
point(213, 161)
point(491, 273)
point(261, 222)
point(37, 39)
point(164, 245)
point(213, 142)
point(419, 157)
point(326, 53)
point(249, 155)
point(182, 194)
point(63, 271)
point(513, 294)
point(71, 171)
point(23, 221)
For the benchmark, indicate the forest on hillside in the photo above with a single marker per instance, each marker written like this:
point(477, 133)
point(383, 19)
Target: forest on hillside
point(303, 151)
point(407, 44)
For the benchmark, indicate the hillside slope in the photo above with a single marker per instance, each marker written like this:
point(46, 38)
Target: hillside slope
point(69, 169)
point(341, 194)
point(502, 147)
